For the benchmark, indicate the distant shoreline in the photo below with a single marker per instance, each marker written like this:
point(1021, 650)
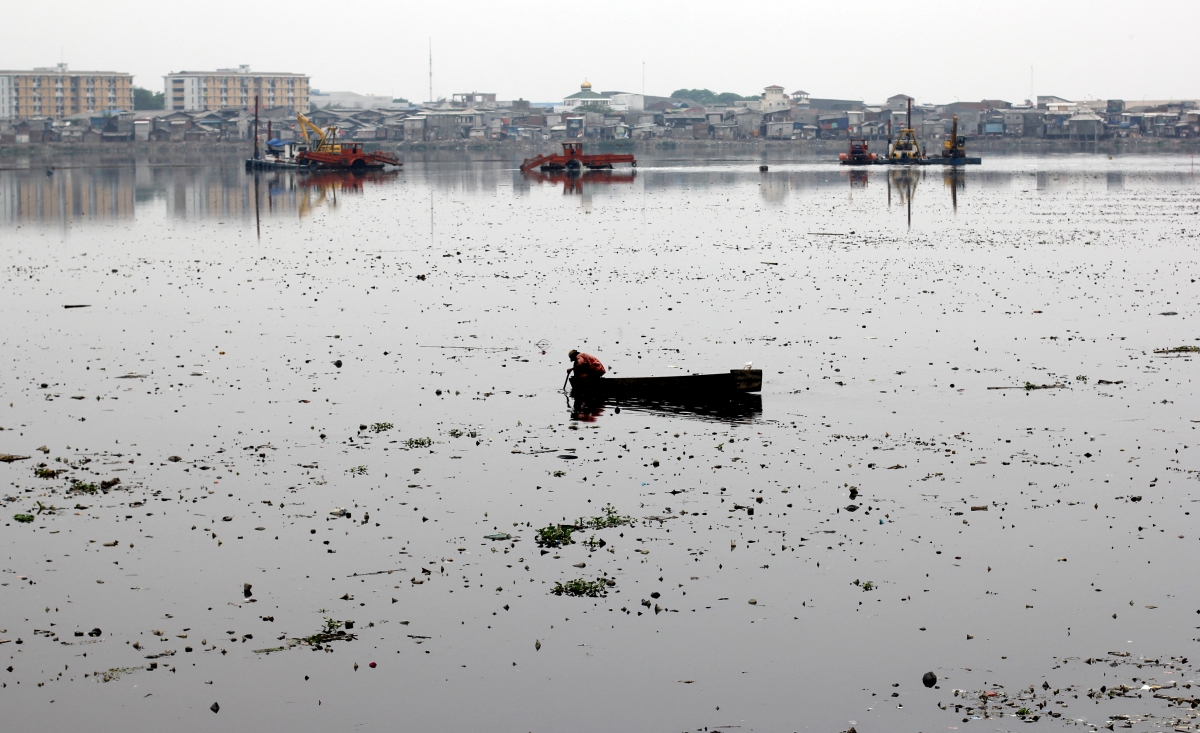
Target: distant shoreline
point(200, 151)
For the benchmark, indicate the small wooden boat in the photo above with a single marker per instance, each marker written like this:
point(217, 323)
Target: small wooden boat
point(695, 385)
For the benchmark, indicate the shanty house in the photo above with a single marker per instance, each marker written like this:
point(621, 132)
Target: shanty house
point(1087, 126)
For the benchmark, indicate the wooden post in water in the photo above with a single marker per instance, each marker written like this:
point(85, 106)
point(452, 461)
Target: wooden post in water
point(256, 127)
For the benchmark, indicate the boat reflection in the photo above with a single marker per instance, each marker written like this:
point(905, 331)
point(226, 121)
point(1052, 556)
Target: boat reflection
point(954, 178)
point(574, 183)
point(277, 191)
point(323, 188)
point(740, 407)
point(904, 179)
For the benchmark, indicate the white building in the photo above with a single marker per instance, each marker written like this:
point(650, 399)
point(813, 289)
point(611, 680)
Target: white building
point(774, 100)
point(626, 102)
point(234, 89)
point(8, 95)
point(616, 101)
point(899, 102)
point(350, 100)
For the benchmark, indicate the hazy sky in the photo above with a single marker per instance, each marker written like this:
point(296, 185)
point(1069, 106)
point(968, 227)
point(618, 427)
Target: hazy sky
point(541, 52)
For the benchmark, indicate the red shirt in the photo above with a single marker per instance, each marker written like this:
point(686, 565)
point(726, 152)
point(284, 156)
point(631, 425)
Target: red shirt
point(587, 365)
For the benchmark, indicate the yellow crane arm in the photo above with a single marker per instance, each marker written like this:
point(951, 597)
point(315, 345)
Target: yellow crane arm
point(306, 125)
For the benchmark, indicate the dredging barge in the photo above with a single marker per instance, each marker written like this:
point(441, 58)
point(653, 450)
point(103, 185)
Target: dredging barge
point(322, 152)
point(572, 159)
point(906, 149)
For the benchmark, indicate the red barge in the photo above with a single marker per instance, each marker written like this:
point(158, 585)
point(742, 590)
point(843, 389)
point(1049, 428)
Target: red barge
point(573, 159)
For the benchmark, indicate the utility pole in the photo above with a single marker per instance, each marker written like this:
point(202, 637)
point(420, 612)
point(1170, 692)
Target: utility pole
point(431, 69)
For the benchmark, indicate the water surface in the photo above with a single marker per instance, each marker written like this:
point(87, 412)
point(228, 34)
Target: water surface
point(270, 327)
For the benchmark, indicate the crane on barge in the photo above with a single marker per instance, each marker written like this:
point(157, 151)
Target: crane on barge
point(906, 146)
point(327, 153)
point(956, 146)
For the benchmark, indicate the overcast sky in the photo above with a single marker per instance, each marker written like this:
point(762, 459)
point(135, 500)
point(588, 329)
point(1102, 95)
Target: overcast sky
point(935, 51)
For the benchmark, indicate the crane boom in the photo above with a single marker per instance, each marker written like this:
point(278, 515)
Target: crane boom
point(306, 125)
point(325, 138)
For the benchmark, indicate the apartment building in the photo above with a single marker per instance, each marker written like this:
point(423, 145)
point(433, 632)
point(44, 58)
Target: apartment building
point(192, 91)
point(57, 92)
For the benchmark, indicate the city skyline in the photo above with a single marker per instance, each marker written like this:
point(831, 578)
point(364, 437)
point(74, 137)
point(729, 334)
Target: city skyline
point(1014, 53)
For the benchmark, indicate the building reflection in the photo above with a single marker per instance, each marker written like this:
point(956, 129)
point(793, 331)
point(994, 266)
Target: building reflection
point(82, 190)
point(218, 193)
point(87, 194)
point(773, 188)
point(66, 195)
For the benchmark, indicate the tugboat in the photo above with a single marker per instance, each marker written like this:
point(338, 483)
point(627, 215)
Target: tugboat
point(858, 154)
point(573, 160)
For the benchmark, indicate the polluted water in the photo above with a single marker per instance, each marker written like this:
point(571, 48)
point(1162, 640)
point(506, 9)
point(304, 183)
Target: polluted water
point(294, 450)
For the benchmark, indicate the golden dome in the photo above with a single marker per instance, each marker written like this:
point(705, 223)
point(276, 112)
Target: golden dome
point(586, 84)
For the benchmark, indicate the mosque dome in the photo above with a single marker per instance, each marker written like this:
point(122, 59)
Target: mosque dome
point(586, 85)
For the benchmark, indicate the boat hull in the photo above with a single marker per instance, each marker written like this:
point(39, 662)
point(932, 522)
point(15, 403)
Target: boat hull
point(351, 159)
point(697, 385)
point(268, 164)
point(931, 161)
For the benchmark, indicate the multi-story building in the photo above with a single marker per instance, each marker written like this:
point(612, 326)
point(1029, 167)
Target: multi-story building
point(57, 92)
point(191, 91)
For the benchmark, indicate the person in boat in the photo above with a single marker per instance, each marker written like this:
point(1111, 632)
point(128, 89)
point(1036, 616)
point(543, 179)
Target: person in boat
point(584, 366)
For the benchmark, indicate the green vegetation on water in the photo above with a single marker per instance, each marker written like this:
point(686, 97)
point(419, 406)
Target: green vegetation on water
point(555, 535)
point(611, 518)
point(79, 487)
point(116, 672)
